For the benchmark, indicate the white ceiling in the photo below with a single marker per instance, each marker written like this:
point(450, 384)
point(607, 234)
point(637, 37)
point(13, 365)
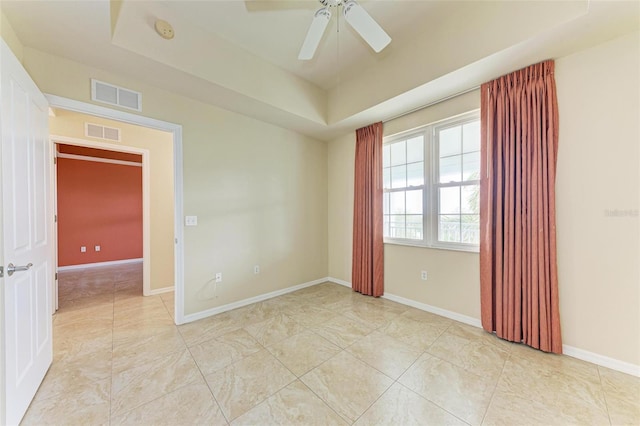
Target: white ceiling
point(243, 55)
point(275, 30)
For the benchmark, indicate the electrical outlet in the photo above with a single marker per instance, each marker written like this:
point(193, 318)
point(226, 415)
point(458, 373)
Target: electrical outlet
point(423, 275)
point(191, 220)
point(83, 249)
point(219, 277)
point(256, 269)
point(97, 248)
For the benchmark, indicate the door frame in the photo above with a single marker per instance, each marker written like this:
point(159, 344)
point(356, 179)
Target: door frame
point(146, 203)
point(140, 120)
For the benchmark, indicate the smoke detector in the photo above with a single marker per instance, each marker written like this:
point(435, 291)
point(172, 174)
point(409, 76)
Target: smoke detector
point(164, 29)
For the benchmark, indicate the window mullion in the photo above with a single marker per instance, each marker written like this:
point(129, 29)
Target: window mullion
point(428, 176)
point(432, 186)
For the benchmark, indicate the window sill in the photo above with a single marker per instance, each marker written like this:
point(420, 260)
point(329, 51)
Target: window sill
point(471, 249)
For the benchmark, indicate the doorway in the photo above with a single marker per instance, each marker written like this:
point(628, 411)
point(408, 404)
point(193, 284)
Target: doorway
point(99, 215)
point(72, 119)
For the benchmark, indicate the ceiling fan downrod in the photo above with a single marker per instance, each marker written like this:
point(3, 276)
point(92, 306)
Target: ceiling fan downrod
point(355, 16)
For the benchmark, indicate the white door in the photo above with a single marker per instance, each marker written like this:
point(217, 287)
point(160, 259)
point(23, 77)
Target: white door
point(26, 236)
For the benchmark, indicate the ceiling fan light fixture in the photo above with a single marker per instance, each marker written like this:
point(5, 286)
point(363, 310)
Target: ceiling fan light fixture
point(364, 25)
point(314, 35)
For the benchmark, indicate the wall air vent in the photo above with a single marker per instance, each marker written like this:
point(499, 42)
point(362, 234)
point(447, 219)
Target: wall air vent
point(114, 95)
point(102, 132)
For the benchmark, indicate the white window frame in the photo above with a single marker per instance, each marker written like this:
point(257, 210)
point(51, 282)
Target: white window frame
point(430, 206)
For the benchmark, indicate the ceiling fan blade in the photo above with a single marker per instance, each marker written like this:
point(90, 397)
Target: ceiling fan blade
point(316, 30)
point(364, 25)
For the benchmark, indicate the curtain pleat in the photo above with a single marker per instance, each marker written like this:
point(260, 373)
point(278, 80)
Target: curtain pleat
point(518, 267)
point(368, 249)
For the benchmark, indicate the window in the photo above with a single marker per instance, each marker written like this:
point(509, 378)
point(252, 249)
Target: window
point(431, 183)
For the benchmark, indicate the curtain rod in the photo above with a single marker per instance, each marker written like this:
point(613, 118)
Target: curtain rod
point(455, 95)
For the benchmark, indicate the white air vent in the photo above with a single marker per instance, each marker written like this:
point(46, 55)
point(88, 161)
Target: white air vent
point(114, 95)
point(102, 132)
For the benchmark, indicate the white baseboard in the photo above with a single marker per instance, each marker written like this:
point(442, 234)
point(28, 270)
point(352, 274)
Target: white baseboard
point(341, 282)
point(98, 264)
point(160, 291)
point(249, 301)
point(581, 354)
point(422, 306)
point(604, 361)
point(434, 310)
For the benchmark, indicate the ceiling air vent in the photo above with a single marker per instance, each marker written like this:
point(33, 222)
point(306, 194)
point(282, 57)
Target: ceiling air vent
point(102, 132)
point(114, 95)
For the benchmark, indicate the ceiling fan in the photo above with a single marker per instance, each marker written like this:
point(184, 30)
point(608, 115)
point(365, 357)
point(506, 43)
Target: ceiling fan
point(355, 15)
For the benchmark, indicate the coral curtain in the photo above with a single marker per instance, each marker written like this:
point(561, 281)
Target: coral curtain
point(367, 275)
point(518, 270)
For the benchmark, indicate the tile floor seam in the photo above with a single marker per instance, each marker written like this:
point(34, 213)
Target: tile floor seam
point(604, 395)
point(322, 399)
point(493, 393)
point(429, 399)
point(376, 400)
point(113, 306)
point(206, 382)
point(267, 397)
point(458, 365)
point(123, 292)
point(434, 403)
point(122, 413)
point(372, 366)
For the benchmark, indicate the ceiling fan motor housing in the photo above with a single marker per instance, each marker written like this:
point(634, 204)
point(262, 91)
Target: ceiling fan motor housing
point(331, 3)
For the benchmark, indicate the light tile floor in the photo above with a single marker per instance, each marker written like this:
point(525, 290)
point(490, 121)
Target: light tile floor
point(320, 356)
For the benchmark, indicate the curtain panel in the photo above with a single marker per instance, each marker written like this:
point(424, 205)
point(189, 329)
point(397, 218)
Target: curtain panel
point(367, 275)
point(518, 269)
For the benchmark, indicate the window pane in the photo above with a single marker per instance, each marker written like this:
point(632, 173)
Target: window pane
point(386, 178)
point(385, 203)
point(414, 227)
point(386, 156)
point(471, 166)
point(449, 228)
point(415, 149)
point(397, 202)
point(385, 225)
point(398, 153)
point(470, 199)
point(471, 137)
point(449, 200)
point(415, 174)
point(414, 202)
point(450, 169)
point(450, 141)
point(470, 229)
point(396, 226)
point(399, 177)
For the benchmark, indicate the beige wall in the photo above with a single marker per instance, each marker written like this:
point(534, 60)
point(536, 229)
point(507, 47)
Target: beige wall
point(259, 191)
point(160, 147)
point(453, 282)
point(599, 170)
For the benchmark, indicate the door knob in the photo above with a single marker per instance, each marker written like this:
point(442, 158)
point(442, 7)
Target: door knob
point(11, 268)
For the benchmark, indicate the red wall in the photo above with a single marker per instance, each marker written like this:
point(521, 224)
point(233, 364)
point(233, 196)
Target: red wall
point(98, 204)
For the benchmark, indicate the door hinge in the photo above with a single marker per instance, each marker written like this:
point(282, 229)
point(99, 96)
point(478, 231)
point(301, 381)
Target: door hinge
point(1, 271)
point(56, 276)
point(55, 218)
point(55, 160)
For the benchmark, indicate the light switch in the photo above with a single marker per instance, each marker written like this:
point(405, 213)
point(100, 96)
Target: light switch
point(83, 249)
point(191, 220)
point(97, 248)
